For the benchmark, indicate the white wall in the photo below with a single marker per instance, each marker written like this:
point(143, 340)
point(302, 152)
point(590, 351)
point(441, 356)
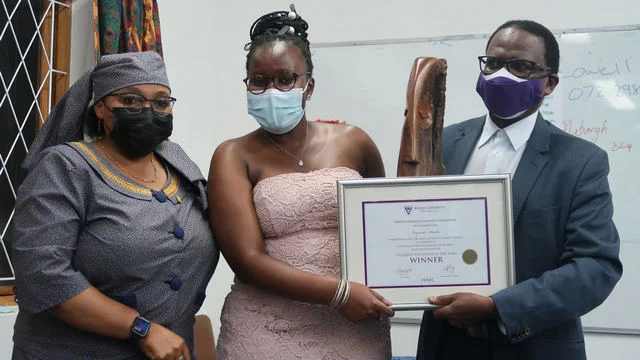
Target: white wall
point(203, 43)
point(82, 49)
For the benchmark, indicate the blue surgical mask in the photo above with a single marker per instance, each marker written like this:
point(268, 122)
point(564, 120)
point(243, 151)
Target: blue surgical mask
point(276, 111)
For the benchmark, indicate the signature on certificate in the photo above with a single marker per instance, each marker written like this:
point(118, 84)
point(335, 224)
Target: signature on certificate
point(449, 269)
point(403, 273)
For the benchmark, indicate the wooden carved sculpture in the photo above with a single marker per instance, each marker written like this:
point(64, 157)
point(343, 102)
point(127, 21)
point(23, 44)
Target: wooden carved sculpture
point(420, 147)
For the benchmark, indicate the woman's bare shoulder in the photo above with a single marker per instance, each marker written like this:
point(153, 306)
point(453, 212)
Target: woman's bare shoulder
point(341, 130)
point(235, 148)
point(348, 134)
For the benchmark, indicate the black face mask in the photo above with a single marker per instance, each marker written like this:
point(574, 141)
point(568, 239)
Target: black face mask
point(139, 134)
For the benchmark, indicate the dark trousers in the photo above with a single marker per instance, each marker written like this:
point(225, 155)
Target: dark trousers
point(456, 344)
point(440, 341)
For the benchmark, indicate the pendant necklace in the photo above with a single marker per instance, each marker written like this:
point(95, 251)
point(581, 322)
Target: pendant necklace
point(306, 138)
point(153, 163)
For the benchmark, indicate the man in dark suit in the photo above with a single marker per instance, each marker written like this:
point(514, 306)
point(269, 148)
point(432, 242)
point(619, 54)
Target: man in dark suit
point(566, 244)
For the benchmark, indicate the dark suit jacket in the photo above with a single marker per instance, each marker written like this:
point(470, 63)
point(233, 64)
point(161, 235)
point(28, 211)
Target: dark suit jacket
point(566, 249)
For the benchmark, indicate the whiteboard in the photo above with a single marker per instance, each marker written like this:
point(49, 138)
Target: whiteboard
point(598, 99)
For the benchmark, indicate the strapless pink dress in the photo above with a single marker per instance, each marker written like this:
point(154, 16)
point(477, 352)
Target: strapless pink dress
point(299, 219)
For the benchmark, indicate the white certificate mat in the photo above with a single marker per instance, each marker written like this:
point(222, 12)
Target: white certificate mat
point(438, 242)
point(409, 238)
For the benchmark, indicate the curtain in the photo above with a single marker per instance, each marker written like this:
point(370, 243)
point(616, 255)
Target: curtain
point(126, 26)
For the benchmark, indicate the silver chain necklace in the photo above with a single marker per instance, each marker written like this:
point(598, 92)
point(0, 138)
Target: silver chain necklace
point(306, 138)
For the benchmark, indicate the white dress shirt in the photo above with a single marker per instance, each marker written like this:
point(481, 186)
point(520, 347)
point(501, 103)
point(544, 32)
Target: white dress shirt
point(496, 153)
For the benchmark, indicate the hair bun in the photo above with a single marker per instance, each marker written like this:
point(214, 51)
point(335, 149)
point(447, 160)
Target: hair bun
point(282, 23)
point(287, 26)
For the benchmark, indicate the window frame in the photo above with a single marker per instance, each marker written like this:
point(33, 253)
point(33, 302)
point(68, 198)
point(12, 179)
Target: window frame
point(53, 76)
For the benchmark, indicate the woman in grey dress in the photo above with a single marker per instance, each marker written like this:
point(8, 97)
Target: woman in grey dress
point(111, 244)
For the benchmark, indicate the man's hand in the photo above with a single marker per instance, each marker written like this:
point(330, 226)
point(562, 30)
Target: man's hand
point(464, 309)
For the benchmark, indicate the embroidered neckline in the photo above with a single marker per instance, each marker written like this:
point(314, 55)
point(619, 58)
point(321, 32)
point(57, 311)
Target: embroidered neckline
point(170, 190)
point(305, 173)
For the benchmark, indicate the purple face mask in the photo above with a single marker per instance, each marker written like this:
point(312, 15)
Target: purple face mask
point(507, 96)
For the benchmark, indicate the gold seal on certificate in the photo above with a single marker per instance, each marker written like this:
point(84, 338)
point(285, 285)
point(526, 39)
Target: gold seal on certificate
point(409, 238)
point(469, 256)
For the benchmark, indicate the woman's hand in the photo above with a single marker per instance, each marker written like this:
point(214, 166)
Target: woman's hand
point(365, 303)
point(163, 344)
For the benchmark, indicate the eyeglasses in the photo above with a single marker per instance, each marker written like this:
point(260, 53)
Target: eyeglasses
point(134, 103)
point(518, 67)
point(283, 80)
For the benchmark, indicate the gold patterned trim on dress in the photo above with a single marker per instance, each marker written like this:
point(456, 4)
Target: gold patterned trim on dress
point(169, 191)
point(111, 176)
point(173, 187)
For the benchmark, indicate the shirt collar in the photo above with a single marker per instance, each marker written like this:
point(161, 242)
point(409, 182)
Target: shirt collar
point(518, 132)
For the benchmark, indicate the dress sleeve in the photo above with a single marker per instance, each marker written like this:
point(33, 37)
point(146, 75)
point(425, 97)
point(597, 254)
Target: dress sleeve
point(50, 209)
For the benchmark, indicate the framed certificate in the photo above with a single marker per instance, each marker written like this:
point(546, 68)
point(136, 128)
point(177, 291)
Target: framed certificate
point(409, 238)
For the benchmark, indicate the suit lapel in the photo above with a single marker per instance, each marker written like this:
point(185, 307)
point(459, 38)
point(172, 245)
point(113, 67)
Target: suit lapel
point(464, 144)
point(531, 164)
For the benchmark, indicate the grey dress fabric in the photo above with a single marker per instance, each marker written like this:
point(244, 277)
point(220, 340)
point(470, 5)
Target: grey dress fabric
point(80, 222)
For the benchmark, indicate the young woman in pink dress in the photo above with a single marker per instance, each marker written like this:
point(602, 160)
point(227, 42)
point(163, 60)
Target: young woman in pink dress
point(274, 214)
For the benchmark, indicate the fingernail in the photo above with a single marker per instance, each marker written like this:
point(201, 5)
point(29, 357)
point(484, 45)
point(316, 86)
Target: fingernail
point(433, 299)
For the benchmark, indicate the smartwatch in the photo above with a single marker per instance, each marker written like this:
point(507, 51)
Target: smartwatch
point(139, 328)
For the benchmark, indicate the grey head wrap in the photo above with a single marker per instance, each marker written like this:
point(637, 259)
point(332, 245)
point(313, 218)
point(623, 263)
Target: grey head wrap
point(66, 121)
